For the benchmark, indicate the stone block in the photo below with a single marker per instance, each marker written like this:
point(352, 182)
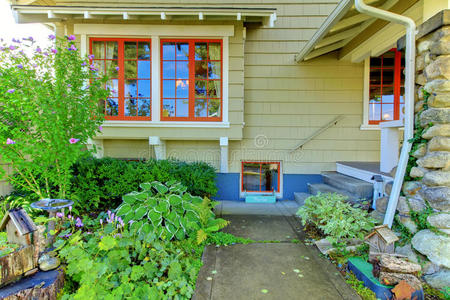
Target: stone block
point(410, 188)
point(441, 221)
point(439, 280)
point(439, 143)
point(437, 130)
point(421, 79)
point(420, 62)
point(420, 151)
point(417, 172)
point(418, 106)
point(439, 100)
point(439, 69)
point(407, 251)
point(434, 246)
point(438, 197)
point(441, 46)
point(438, 86)
point(435, 160)
point(435, 116)
point(437, 178)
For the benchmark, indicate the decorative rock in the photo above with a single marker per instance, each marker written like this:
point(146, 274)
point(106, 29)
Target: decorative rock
point(394, 264)
point(419, 106)
point(439, 69)
point(406, 204)
point(408, 223)
point(393, 171)
point(441, 46)
point(434, 246)
point(439, 143)
point(439, 100)
point(438, 197)
point(437, 178)
point(417, 172)
point(439, 280)
point(388, 187)
point(421, 79)
point(430, 268)
point(395, 278)
point(48, 262)
point(423, 46)
point(408, 252)
point(410, 188)
point(437, 130)
point(420, 62)
point(441, 221)
point(435, 115)
point(420, 95)
point(420, 151)
point(435, 160)
point(438, 86)
point(379, 216)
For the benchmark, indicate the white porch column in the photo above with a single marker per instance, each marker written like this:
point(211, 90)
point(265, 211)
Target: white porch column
point(389, 145)
point(159, 146)
point(223, 154)
point(99, 152)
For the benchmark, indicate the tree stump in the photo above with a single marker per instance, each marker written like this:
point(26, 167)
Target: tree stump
point(395, 278)
point(392, 264)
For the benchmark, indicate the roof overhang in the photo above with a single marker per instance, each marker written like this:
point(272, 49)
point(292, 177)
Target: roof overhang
point(45, 14)
point(346, 28)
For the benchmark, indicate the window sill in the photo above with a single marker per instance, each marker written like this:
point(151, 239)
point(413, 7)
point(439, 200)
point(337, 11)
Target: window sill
point(109, 123)
point(373, 127)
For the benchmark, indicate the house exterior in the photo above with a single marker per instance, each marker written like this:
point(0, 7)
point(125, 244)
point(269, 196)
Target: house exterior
point(271, 93)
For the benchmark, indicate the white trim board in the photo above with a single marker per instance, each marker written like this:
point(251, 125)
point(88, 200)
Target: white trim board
point(359, 173)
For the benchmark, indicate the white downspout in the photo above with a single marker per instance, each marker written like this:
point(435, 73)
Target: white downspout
point(409, 98)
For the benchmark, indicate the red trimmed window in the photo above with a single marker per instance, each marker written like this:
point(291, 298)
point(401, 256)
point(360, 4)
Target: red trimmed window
point(386, 101)
point(130, 85)
point(191, 80)
point(260, 176)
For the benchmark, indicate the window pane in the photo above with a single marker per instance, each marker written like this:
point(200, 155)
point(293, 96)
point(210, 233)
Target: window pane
point(112, 50)
point(144, 69)
point(214, 89)
point(214, 51)
point(375, 95)
point(130, 50)
point(200, 88)
point(375, 62)
point(131, 107)
point(113, 86)
point(402, 95)
point(112, 107)
point(200, 107)
point(168, 108)
point(374, 112)
point(182, 51)
point(402, 111)
point(100, 66)
point(388, 112)
point(200, 51)
point(168, 88)
point(98, 49)
point(214, 70)
point(130, 88)
point(375, 76)
point(144, 107)
point(388, 94)
point(111, 68)
point(214, 108)
point(269, 177)
point(144, 50)
point(182, 88)
point(200, 69)
point(388, 76)
point(169, 70)
point(251, 177)
point(182, 70)
point(169, 51)
point(182, 107)
point(130, 69)
point(144, 88)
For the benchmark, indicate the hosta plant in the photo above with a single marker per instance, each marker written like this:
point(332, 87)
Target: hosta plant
point(336, 218)
point(170, 212)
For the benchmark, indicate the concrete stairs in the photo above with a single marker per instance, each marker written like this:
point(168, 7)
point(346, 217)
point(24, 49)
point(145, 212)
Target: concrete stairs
point(356, 190)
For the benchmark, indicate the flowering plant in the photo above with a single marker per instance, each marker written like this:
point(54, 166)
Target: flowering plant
point(49, 109)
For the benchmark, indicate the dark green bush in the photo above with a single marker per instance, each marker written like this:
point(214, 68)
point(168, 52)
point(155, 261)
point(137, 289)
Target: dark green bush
point(100, 183)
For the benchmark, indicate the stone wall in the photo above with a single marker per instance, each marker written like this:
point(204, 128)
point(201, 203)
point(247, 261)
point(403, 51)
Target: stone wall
point(429, 178)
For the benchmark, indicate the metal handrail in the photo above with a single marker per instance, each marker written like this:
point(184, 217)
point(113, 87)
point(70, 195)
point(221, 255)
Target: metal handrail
point(328, 125)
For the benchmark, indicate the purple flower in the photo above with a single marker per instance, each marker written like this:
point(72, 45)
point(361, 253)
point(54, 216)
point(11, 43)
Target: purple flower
point(2, 48)
point(91, 56)
point(118, 235)
point(51, 37)
point(69, 216)
point(16, 41)
point(70, 208)
point(35, 65)
point(10, 141)
point(71, 38)
point(74, 140)
point(79, 223)
point(100, 128)
point(11, 91)
point(67, 235)
point(72, 48)
point(12, 47)
point(120, 221)
point(83, 64)
point(117, 68)
point(69, 85)
point(20, 66)
point(45, 53)
point(59, 215)
point(54, 51)
point(30, 38)
point(38, 50)
point(21, 52)
point(101, 221)
point(93, 68)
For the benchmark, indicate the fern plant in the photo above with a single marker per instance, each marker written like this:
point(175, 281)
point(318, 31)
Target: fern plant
point(170, 212)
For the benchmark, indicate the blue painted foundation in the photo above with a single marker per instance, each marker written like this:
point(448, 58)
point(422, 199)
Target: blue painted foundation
point(228, 185)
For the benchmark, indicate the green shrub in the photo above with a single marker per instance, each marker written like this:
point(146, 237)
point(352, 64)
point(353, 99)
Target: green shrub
point(337, 219)
point(15, 200)
point(100, 183)
point(173, 213)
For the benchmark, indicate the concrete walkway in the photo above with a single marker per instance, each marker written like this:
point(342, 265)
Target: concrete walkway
point(280, 271)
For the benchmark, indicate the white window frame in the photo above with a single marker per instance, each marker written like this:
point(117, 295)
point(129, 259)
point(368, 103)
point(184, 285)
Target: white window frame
point(278, 195)
point(365, 125)
point(156, 33)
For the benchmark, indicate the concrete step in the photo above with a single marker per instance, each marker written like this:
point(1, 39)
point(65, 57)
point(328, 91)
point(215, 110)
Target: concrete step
point(301, 197)
point(358, 188)
point(323, 188)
